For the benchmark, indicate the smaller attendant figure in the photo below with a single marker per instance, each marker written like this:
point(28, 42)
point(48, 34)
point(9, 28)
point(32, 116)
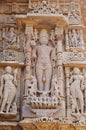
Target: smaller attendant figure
point(76, 87)
point(74, 18)
point(74, 38)
point(10, 38)
point(8, 89)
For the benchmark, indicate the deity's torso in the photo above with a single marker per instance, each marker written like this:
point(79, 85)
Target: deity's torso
point(44, 54)
point(8, 78)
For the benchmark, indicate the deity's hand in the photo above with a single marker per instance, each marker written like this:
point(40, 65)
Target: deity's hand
point(53, 43)
point(15, 82)
point(34, 57)
point(82, 86)
point(33, 43)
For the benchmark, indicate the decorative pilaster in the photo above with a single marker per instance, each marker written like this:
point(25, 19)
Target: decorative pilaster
point(60, 73)
point(59, 38)
point(67, 72)
point(66, 39)
point(27, 51)
point(84, 73)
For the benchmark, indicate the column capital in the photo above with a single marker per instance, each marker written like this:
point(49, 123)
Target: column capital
point(67, 71)
point(59, 32)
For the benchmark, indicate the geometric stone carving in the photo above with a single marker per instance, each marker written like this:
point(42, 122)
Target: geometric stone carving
point(74, 14)
point(74, 39)
point(44, 8)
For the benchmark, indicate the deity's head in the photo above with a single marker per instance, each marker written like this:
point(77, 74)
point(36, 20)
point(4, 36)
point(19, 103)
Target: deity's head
point(12, 29)
point(44, 37)
point(73, 31)
point(8, 69)
point(76, 70)
point(29, 36)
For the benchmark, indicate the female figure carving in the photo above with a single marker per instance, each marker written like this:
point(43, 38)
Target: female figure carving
point(8, 89)
point(76, 86)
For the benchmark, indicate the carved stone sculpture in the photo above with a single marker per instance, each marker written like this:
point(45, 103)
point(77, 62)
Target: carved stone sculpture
point(10, 38)
point(74, 17)
point(8, 89)
point(76, 86)
point(75, 39)
point(43, 64)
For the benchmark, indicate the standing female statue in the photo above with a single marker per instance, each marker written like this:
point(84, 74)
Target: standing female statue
point(76, 87)
point(8, 89)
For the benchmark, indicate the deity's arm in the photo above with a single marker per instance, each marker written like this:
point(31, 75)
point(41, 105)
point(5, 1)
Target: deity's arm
point(14, 38)
point(6, 38)
point(2, 85)
point(53, 54)
point(15, 76)
point(71, 79)
point(34, 51)
point(82, 83)
point(53, 43)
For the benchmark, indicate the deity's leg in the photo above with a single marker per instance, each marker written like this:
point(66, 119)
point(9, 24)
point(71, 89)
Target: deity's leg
point(81, 101)
point(11, 97)
point(4, 101)
point(48, 74)
point(39, 73)
point(73, 93)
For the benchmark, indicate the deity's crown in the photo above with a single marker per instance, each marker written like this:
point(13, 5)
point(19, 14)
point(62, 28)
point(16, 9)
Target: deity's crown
point(43, 33)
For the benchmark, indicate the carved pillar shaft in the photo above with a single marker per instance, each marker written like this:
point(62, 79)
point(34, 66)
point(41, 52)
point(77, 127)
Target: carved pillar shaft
point(28, 50)
point(60, 73)
point(84, 73)
point(82, 41)
point(59, 62)
point(67, 72)
point(66, 39)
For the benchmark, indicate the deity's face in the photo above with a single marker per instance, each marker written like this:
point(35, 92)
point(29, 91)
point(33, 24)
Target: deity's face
point(12, 29)
point(44, 40)
point(29, 36)
point(76, 70)
point(43, 37)
point(73, 31)
point(8, 69)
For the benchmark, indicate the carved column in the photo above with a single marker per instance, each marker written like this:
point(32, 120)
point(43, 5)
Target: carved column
point(28, 50)
point(66, 39)
point(60, 73)
point(82, 41)
point(84, 73)
point(67, 72)
point(59, 37)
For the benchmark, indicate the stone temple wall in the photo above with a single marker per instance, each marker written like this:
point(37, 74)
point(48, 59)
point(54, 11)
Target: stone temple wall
point(42, 65)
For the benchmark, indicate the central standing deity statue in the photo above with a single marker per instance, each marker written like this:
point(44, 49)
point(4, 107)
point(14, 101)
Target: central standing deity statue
point(43, 56)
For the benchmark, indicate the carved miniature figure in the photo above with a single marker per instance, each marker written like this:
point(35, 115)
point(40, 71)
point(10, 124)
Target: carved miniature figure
point(8, 89)
point(55, 90)
point(74, 39)
point(74, 106)
point(76, 86)
point(32, 87)
point(10, 37)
